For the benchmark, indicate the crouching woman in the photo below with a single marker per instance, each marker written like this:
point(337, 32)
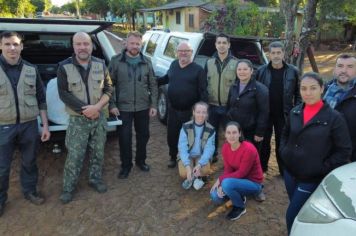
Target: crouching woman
point(242, 174)
point(196, 147)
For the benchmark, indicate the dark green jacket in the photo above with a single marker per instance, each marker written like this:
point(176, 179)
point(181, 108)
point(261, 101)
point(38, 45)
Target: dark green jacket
point(135, 86)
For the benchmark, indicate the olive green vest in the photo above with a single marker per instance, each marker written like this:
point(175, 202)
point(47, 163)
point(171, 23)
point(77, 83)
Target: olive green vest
point(26, 94)
point(77, 86)
point(207, 132)
point(228, 77)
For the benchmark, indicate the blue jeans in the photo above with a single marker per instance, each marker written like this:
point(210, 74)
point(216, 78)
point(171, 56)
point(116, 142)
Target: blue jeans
point(298, 194)
point(235, 189)
point(217, 118)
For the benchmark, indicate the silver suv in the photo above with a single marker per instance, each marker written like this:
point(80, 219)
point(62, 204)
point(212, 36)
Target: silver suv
point(160, 47)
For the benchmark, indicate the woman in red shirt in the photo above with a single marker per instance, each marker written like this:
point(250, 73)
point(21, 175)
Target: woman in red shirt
point(242, 174)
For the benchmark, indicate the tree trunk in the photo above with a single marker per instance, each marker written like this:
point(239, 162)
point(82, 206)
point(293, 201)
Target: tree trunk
point(309, 28)
point(289, 9)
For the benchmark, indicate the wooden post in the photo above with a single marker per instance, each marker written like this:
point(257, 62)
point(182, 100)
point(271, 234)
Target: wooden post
point(312, 59)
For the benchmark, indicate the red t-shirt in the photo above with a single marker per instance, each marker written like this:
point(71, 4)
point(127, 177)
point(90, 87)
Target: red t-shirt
point(311, 110)
point(243, 163)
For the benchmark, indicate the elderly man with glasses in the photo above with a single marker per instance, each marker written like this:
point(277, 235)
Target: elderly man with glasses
point(187, 85)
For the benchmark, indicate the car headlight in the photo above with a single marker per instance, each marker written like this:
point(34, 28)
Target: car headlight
point(319, 209)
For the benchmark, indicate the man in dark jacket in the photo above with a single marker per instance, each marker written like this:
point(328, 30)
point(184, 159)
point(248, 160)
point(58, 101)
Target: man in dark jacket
point(340, 93)
point(282, 79)
point(135, 101)
point(187, 85)
point(221, 74)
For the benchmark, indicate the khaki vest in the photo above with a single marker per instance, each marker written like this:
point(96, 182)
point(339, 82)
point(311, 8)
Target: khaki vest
point(77, 86)
point(26, 93)
point(207, 132)
point(228, 77)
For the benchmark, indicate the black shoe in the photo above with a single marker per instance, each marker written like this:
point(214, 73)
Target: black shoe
point(235, 213)
point(214, 159)
point(66, 197)
point(2, 208)
point(143, 166)
point(124, 174)
point(35, 198)
point(99, 186)
point(172, 163)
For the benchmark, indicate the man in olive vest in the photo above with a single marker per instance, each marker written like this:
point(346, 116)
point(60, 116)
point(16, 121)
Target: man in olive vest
point(22, 99)
point(221, 73)
point(84, 85)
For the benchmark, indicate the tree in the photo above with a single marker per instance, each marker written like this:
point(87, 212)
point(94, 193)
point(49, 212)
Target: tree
point(42, 5)
point(16, 8)
point(238, 19)
point(308, 30)
point(96, 6)
point(289, 8)
point(70, 7)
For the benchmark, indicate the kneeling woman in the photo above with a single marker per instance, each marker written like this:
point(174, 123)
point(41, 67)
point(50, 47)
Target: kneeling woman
point(196, 147)
point(315, 140)
point(242, 174)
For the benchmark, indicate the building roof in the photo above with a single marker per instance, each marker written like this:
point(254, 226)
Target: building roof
point(177, 4)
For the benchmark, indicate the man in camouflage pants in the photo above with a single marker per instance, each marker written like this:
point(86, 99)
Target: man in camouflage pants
point(84, 85)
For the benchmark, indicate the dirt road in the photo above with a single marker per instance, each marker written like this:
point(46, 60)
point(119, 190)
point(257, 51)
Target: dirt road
point(145, 204)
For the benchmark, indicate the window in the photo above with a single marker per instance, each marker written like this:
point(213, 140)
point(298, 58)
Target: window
point(152, 44)
point(178, 17)
point(173, 42)
point(191, 20)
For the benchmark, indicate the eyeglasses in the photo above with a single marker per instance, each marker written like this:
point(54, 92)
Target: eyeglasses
point(184, 51)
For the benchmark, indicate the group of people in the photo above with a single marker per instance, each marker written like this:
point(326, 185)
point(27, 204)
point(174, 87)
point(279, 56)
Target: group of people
point(314, 129)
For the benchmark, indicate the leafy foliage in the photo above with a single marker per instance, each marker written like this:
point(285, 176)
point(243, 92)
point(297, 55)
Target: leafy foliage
point(12, 8)
point(244, 19)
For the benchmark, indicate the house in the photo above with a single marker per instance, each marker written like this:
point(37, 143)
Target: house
point(181, 15)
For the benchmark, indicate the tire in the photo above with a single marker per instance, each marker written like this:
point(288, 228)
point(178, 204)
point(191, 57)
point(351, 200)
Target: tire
point(162, 105)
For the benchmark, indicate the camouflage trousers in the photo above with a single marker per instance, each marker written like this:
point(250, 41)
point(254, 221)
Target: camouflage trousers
point(83, 134)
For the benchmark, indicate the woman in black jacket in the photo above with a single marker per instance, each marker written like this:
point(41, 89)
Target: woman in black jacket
point(248, 103)
point(314, 141)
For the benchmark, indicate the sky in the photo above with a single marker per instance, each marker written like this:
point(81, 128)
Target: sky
point(59, 2)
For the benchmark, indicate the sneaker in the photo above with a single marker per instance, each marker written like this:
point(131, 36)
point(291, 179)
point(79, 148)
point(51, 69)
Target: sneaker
point(260, 197)
point(244, 199)
point(198, 184)
point(66, 197)
point(99, 186)
point(187, 184)
point(35, 198)
point(235, 213)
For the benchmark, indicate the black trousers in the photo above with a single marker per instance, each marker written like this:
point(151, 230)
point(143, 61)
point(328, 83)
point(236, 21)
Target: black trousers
point(276, 123)
point(174, 123)
point(26, 136)
point(217, 118)
point(141, 124)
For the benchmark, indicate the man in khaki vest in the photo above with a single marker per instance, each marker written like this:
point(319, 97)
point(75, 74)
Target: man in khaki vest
point(221, 73)
point(84, 85)
point(22, 99)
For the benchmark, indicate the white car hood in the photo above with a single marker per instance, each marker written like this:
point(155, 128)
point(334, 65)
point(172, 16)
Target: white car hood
point(340, 186)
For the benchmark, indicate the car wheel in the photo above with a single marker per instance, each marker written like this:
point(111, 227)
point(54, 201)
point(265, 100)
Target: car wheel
point(162, 106)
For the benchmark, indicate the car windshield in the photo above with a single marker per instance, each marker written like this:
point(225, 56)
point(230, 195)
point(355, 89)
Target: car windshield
point(341, 190)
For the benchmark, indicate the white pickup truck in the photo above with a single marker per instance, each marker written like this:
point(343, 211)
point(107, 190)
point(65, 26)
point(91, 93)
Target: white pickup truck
point(160, 47)
point(47, 42)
